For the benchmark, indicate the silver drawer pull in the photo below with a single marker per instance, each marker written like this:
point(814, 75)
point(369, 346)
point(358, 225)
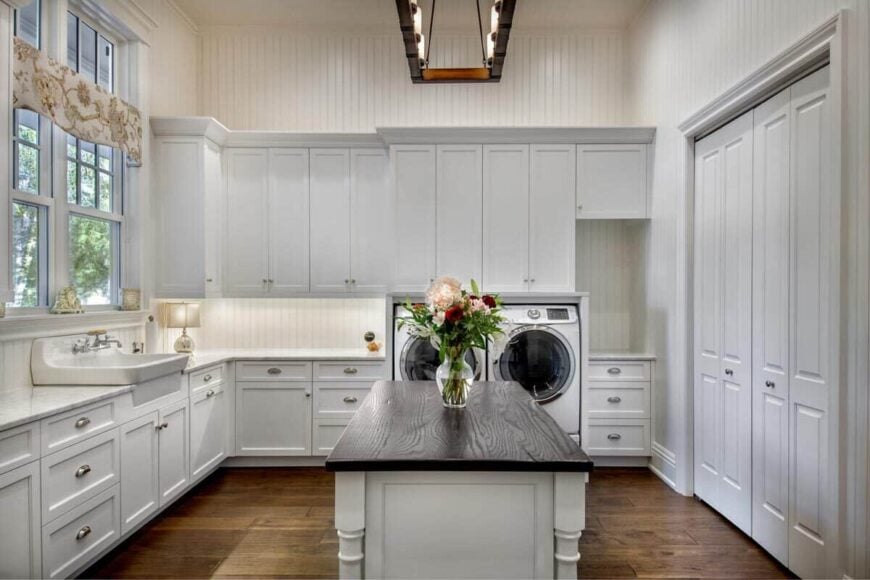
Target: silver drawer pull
point(614, 436)
point(769, 384)
point(210, 393)
point(350, 400)
point(83, 470)
point(350, 371)
point(162, 426)
point(83, 422)
point(614, 371)
point(274, 371)
point(82, 533)
point(614, 399)
point(206, 378)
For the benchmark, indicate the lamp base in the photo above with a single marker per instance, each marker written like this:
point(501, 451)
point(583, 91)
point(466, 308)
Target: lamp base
point(184, 344)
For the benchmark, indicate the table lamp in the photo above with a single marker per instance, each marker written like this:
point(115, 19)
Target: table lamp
point(183, 315)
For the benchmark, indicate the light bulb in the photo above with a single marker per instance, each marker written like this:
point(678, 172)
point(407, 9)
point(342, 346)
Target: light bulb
point(421, 49)
point(418, 21)
point(490, 48)
point(493, 18)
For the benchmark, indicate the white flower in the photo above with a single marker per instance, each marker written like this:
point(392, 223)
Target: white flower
point(438, 318)
point(443, 293)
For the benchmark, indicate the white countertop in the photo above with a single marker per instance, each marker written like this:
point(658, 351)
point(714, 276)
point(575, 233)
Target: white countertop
point(620, 355)
point(27, 404)
point(205, 358)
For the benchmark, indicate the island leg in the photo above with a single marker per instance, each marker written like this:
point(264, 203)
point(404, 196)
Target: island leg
point(569, 520)
point(350, 515)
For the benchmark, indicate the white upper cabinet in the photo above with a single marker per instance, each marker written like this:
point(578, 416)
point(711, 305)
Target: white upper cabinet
point(288, 222)
point(459, 212)
point(247, 227)
point(414, 202)
point(370, 221)
point(611, 181)
point(330, 220)
point(551, 218)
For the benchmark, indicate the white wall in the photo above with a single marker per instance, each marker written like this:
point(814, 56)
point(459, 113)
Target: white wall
point(682, 55)
point(272, 79)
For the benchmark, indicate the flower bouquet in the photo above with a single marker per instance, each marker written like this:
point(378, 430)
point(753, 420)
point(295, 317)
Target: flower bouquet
point(454, 321)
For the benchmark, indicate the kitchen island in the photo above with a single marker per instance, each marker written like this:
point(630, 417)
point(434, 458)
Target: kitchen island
point(495, 490)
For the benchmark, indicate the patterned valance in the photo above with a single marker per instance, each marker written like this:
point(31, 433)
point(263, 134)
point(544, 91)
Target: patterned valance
point(73, 102)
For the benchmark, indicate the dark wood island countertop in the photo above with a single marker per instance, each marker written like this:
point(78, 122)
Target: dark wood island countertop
point(402, 426)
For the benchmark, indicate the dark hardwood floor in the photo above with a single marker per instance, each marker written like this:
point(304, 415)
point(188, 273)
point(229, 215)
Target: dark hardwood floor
point(278, 522)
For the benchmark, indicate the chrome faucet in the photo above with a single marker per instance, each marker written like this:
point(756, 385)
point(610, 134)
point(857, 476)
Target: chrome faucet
point(101, 341)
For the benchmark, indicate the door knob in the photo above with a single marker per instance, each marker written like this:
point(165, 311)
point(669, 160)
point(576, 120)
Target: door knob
point(162, 426)
point(769, 384)
point(729, 372)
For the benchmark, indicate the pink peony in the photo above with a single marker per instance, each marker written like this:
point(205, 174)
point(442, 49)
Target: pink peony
point(443, 293)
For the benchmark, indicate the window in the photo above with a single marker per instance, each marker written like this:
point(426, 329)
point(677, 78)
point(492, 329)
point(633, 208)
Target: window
point(94, 268)
point(29, 262)
point(27, 23)
point(26, 152)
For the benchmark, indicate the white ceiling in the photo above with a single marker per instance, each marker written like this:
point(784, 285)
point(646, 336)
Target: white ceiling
point(380, 15)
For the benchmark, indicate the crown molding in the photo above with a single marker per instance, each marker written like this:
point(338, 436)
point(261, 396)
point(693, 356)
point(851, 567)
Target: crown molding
point(185, 17)
point(513, 135)
point(35, 326)
point(207, 127)
point(282, 139)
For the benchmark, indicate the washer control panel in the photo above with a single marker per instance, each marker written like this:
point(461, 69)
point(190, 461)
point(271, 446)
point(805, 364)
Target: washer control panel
point(534, 313)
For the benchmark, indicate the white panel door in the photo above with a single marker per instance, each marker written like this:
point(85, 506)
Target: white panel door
point(247, 225)
point(459, 208)
point(273, 418)
point(770, 326)
point(174, 452)
point(814, 270)
point(288, 222)
point(506, 218)
point(552, 170)
point(371, 225)
point(208, 428)
point(140, 496)
point(414, 207)
point(611, 181)
point(20, 542)
point(330, 220)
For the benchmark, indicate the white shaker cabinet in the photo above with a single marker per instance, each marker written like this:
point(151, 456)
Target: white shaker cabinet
point(288, 206)
point(611, 181)
point(330, 220)
point(458, 216)
point(247, 222)
point(371, 226)
point(208, 429)
point(414, 206)
point(140, 495)
point(551, 218)
point(20, 535)
point(173, 450)
point(273, 418)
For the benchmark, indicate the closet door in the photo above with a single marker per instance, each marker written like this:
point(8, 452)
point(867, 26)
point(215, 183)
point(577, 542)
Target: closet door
point(770, 326)
point(459, 212)
point(247, 234)
point(814, 212)
point(330, 220)
point(723, 320)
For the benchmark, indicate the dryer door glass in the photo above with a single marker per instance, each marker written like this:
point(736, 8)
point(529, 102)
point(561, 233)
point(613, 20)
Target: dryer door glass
point(539, 361)
point(420, 361)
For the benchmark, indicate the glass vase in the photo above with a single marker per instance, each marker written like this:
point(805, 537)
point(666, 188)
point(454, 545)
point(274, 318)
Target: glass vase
point(454, 377)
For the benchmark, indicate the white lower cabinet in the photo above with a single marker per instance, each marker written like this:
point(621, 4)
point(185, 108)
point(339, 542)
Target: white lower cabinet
point(273, 418)
point(208, 428)
point(173, 451)
point(20, 544)
point(617, 403)
point(140, 496)
point(326, 433)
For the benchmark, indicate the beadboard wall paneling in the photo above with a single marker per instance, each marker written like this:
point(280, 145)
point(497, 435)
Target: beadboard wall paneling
point(283, 323)
point(15, 357)
point(609, 267)
point(268, 79)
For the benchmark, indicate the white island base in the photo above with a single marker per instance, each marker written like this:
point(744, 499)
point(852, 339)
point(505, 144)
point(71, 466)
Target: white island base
point(459, 524)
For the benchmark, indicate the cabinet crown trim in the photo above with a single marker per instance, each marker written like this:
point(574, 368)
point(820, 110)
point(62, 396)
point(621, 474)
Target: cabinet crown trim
point(494, 135)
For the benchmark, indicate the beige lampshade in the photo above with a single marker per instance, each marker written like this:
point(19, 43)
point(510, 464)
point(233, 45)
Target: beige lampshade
point(183, 315)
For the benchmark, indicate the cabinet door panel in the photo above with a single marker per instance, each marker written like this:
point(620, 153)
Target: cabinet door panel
point(330, 220)
point(611, 181)
point(273, 418)
point(459, 208)
point(414, 207)
point(174, 452)
point(208, 428)
point(505, 218)
point(247, 231)
point(20, 544)
point(214, 220)
point(140, 495)
point(551, 218)
point(288, 221)
point(370, 221)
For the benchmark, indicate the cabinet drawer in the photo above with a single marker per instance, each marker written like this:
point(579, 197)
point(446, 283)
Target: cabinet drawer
point(349, 370)
point(75, 538)
point(18, 446)
point(623, 400)
point(74, 426)
point(618, 437)
point(326, 434)
point(273, 371)
point(337, 399)
point(619, 371)
point(78, 473)
point(206, 378)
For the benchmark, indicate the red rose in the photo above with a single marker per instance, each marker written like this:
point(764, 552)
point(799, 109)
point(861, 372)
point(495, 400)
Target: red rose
point(454, 314)
point(472, 297)
point(489, 301)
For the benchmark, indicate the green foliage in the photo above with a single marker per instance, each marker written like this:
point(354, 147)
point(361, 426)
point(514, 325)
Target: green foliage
point(25, 254)
point(91, 258)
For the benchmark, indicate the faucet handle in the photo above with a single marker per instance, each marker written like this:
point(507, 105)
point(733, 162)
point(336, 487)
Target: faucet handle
point(97, 332)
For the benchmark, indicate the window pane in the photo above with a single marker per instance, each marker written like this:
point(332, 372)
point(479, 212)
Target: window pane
point(71, 147)
point(89, 187)
point(25, 254)
point(27, 125)
point(72, 41)
point(105, 52)
point(88, 51)
point(27, 168)
point(92, 251)
point(105, 190)
point(89, 152)
point(72, 182)
point(27, 23)
point(105, 154)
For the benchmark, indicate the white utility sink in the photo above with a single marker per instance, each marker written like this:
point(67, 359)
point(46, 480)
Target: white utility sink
point(53, 362)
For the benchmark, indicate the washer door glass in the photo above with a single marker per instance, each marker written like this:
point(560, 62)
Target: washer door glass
point(420, 361)
point(539, 361)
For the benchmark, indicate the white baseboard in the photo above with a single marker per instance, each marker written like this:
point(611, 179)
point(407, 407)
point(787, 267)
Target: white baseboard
point(274, 462)
point(619, 461)
point(663, 463)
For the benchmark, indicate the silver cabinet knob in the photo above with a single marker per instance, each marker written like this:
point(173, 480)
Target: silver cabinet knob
point(307, 394)
point(614, 436)
point(162, 426)
point(614, 399)
point(353, 281)
point(579, 206)
point(351, 371)
point(206, 378)
point(83, 422)
point(83, 532)
point(769, 384)
point(525, 280)
point(532, 280)
point(83, 470)
point(210, 393)
point(350, 400)
point(729, 372)
point(209, 279)
point(614, 371)
point(274, 371)
point(264, 280)
point(347, 280)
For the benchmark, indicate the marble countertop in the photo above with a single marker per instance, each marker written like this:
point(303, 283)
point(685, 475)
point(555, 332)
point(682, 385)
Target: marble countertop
point(620, 355)
point(24, 405)
point(206, 358)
